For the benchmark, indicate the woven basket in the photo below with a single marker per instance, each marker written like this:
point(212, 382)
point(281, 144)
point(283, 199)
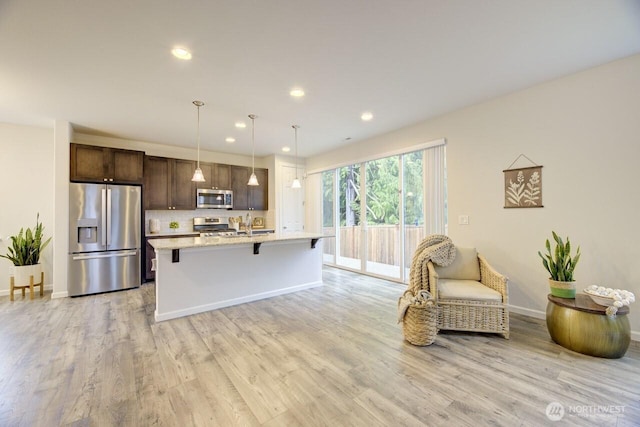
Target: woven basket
point(420, 323)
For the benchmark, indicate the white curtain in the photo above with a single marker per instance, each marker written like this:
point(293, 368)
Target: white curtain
point(434, 187)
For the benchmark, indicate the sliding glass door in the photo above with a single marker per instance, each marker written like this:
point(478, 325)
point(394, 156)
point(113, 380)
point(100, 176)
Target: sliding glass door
point(349, 239)
point(380, 210)
point(329, 216)
point(382, 201)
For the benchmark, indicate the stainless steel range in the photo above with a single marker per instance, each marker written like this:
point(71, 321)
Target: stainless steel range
point(213, 226)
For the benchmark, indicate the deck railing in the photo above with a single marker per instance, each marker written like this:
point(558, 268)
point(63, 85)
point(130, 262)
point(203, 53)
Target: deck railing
point(383, 243)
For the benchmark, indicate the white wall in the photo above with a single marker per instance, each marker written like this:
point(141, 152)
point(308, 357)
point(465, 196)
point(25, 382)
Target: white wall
point(584, 130)
point(313, 203)
point(26, 171)
point(62, 136)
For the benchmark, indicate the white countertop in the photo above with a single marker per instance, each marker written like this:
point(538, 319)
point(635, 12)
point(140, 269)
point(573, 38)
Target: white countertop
point(164, 234)
point(168, 234)
point(197, 242)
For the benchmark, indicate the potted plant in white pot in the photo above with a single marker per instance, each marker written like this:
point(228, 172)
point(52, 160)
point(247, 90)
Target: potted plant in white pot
point(25, 251)
point(561, 265)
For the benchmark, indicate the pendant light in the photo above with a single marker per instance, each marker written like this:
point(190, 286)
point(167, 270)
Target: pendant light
point(197, 175)
point(296, 182)
point(253, 180)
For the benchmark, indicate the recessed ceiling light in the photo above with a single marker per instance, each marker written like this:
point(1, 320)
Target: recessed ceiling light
point(366, 116)
point(241, 125)
point(181, 53)
point(297, 92)
point(286, 149)
point(230, 140)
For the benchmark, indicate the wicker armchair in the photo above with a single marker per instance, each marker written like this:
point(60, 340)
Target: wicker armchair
point(470, 294)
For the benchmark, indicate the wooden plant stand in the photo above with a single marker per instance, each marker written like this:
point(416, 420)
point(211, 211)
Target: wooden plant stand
point(30, 286)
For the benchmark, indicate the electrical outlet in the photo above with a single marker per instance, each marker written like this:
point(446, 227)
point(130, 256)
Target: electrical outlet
point(463, 219)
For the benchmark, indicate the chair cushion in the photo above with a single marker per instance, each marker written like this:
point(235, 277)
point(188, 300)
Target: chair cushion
point(464, 267)
point(466, 289)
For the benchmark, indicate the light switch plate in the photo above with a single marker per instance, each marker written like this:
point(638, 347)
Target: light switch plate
point(463, 219)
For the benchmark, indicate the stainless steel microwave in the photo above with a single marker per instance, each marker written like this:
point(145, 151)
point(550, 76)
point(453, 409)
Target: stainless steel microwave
point(214, 199)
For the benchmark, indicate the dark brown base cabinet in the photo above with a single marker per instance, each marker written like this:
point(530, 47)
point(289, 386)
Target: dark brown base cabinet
point(150, 254)
point(168, 185)
point(89, 163)
point(247, 197)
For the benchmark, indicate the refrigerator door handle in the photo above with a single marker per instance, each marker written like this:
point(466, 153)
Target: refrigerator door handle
point(103, 224)
point(108, 216)
point(105, 255)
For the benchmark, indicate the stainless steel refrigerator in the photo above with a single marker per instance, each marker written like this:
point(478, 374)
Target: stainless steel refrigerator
point(104, 238)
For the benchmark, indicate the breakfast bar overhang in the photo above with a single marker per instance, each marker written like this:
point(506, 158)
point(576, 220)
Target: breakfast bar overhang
point(197, 274)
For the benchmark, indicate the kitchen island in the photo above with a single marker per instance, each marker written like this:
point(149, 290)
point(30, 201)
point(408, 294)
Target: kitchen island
point(197, 274)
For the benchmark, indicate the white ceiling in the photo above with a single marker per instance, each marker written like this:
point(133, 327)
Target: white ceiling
point(106, 67)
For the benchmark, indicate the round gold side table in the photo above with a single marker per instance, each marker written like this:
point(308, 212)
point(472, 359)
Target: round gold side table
point(582, 325)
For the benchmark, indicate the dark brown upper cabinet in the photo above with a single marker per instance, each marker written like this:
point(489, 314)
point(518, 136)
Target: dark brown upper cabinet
point(167, 183)
point(247, 197)
point(216, 175)
point(89, 163)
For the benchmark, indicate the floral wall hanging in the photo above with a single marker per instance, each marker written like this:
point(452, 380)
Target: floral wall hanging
point(523, 186)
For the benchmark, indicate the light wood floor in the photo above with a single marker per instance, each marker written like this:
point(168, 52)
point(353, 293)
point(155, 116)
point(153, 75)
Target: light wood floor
point(330, 356)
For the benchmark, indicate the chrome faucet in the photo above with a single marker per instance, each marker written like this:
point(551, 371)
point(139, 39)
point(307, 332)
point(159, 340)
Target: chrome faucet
point(248, 222)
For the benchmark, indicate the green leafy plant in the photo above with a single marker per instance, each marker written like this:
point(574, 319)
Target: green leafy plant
point(27, 246)
point(559, 263)
point(173, 225)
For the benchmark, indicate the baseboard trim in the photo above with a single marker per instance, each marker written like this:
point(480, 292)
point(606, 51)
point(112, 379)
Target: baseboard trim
point(235, 301)
point(62, 294)
point(528, 312)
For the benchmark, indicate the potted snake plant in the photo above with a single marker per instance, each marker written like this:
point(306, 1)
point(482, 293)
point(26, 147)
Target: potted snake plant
point(560, 265)
point(24, 252)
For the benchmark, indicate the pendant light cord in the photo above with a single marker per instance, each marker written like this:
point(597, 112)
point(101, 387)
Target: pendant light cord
point(295, 127)
point(198, 135)
point(253, 143)
point(198, 104)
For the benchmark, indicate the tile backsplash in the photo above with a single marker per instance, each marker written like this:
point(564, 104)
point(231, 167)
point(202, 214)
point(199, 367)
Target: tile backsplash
point(185, 218)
